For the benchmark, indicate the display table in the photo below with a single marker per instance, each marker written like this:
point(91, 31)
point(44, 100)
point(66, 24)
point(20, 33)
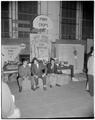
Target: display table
point(8, 73)
point(70, 67)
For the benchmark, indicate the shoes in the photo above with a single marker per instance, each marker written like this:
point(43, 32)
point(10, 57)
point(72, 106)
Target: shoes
point(87, 90)
point(37, 87)
point(44, 88)
point(34, 88)
point(58, 85)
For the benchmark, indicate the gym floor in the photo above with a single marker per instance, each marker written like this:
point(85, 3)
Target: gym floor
point(67, 101)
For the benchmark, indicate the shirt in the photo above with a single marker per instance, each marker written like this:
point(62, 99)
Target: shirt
point(24, 71)
point(90, 65)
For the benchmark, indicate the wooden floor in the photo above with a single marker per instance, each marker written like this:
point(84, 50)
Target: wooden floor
point(59, 102)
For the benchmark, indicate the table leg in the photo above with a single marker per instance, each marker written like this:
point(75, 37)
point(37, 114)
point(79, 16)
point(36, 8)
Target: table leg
point(72, 71)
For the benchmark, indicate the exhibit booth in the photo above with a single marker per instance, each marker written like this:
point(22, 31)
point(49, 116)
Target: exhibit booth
point(41, 45)
point(71, 53)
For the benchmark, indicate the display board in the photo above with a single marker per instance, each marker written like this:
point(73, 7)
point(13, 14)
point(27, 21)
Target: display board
point(73, 54)
point(11, 52)
point(42, 22)
point(40, 46)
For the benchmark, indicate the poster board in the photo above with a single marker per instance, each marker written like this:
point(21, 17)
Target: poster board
point(42, 22)
point(40, 46)
point(11, 53)
point(66, 52)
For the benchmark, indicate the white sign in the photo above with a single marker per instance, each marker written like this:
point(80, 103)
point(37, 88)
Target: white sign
point(40, 46)
point(42, 22)
point(73, 54)
point(10, 52)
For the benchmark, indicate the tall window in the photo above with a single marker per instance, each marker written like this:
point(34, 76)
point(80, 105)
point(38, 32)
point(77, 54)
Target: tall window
point(88, 20)
point(68, 21)
point(4, 19)
point(27, 11)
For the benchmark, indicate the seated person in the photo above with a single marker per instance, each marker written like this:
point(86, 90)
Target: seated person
point(39, 70)
point(51, 67)
point(24, 72)
point(8, 108)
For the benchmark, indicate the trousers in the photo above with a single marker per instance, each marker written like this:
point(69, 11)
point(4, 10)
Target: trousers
point(90, 82)
point(43, 79)
point(20, 80)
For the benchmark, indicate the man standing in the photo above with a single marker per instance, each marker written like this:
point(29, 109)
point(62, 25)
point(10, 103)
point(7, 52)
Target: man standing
point(90, 75)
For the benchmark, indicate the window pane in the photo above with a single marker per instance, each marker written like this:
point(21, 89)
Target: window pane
point(5, 18)
point(88, 20)
point(68, 23)
point(27, 11)
point(4, 6)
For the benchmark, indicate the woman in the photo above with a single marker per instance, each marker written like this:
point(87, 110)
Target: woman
point(39, 70)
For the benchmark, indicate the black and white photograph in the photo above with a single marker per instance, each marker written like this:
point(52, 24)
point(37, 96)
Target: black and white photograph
point(47, 59)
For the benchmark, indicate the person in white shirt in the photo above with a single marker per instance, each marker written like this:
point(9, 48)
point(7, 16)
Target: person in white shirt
point(90, 74)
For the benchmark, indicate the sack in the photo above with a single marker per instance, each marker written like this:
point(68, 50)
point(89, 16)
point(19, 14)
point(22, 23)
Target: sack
point(53, 79)
point(63, 79)
point(26, 84)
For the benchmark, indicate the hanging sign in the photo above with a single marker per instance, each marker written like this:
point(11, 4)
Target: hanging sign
point(42, 22)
